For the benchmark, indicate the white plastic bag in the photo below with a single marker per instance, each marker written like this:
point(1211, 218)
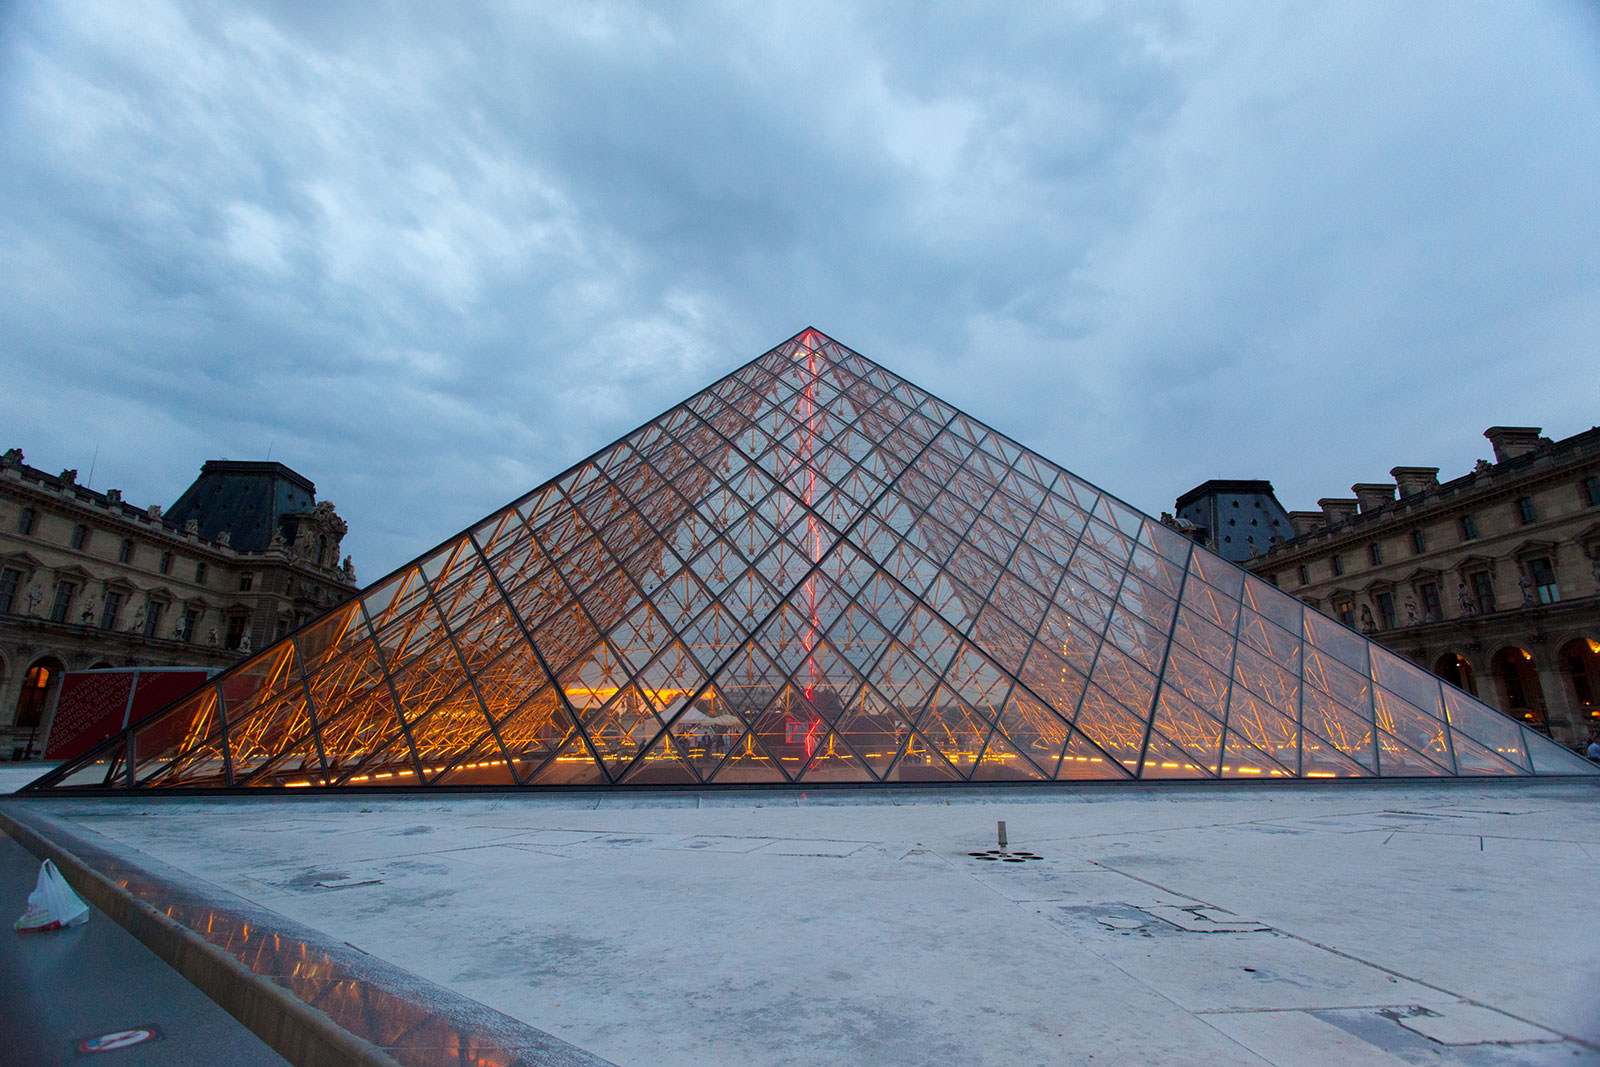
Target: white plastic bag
point(52, 905)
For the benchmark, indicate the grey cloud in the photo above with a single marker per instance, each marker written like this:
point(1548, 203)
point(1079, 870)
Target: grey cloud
point(434, 255)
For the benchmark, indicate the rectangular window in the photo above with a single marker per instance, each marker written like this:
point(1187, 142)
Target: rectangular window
point(1469, 528)
point(235, 631)
point(25, 521)
point(80, 536)
point(1375, 550)
point(1482, 591)
point(1305, 576)
point(1346, 611)
point(166, 562)
point(1525, 510)
point(1338, 565)
point(200, 574)
point(191, 619)
point(125, 553)
point(1386, 610)
point(1419, 541)
point(152, 617)
point(10, 579)
point(1591, 490)
point(108, 613)
point(63, 601)
point(1432, 608)
point(1544, 580)
point(246, 580)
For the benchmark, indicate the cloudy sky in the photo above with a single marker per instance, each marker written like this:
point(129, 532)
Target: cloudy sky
point(430, 257)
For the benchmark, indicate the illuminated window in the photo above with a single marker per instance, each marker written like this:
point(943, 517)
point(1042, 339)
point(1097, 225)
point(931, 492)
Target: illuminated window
point(30, 705)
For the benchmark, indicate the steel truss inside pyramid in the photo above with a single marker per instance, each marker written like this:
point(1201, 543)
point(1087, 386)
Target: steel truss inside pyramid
point(815, 572)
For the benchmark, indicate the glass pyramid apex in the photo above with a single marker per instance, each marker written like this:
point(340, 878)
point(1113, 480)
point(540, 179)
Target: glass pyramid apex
point(813, 571)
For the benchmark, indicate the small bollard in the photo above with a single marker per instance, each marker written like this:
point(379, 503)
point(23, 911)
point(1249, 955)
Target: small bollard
point(1002, 835)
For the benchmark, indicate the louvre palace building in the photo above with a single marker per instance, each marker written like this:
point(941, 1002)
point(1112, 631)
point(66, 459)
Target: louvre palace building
point(87, 580)
point(1491, 580)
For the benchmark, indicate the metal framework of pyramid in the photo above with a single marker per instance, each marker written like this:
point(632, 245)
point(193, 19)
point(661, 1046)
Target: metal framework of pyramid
point(815, 572)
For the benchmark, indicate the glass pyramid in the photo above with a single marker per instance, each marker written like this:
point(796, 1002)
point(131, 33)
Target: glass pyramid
point(814, 572)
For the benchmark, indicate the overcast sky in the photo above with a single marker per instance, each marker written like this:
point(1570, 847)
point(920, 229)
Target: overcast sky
point(431, 258)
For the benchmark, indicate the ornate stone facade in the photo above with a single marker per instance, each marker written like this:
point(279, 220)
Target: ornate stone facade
point(1491, 580)
point(86, 580)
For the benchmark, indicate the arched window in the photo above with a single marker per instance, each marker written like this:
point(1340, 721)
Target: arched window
point(1457, 671)
point(1521, 696)
point(35, 689)
point(1580, 662)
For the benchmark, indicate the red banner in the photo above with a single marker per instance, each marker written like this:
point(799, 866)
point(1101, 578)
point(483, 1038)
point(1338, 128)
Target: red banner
point(90, 708)
point(93, 705)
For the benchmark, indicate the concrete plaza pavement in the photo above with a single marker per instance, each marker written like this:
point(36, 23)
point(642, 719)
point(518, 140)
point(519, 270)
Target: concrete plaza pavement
point(1373, 924)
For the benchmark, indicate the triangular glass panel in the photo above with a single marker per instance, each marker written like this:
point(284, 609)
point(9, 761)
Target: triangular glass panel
point(748, 763)
point(573, 765)
point(921, 762)
point(1084, 761)
point(1350, 731)
point(663, 764)
point(1197, 733)
point(1494, 731)
point(483, 764)
point(834, 761)
point(1163, 759)
point(1241, 759)
point(1396, 759)
point(1003, 763)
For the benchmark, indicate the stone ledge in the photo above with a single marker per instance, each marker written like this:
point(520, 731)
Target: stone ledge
point(298, 1032)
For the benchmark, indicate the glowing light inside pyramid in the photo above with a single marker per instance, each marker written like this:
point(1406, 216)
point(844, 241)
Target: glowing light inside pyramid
point(815, 572)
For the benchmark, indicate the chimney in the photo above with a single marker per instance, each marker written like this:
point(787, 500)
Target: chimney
point(1336, 510)
point(1373, 495)
point(1303, 522)
point(1414, 480)
point(1512, 441)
